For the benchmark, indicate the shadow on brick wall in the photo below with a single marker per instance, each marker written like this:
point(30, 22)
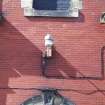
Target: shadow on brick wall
point(59, 68)
point(18, 57)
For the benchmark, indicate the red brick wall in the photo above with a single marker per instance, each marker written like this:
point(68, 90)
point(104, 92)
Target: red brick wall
point(77, 53)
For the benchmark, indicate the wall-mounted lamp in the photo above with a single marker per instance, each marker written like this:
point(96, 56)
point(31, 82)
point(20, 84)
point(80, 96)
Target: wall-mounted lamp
point(102, 18)
point(48, 46)
point(48, 52)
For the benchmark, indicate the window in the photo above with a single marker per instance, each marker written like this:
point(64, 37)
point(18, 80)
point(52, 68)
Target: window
point(48, 97)
point(53, 8)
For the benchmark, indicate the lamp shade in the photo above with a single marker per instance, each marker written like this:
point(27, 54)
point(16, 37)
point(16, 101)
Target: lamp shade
point(49, 41)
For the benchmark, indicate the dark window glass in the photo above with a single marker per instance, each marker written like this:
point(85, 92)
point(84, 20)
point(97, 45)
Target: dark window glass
point(51, 4)
point(45, 4)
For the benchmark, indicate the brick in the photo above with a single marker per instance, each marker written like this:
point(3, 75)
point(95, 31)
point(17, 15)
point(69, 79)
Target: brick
point(77, 53)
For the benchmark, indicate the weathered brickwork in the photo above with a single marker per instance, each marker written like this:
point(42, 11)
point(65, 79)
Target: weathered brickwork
point(78, 53)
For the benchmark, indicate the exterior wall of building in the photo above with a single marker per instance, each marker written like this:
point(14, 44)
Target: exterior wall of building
point(78, 54)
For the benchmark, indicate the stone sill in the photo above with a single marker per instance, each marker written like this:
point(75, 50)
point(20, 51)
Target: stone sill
point(51, 13)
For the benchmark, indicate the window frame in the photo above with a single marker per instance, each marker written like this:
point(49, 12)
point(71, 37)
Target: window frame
point(73, 11)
